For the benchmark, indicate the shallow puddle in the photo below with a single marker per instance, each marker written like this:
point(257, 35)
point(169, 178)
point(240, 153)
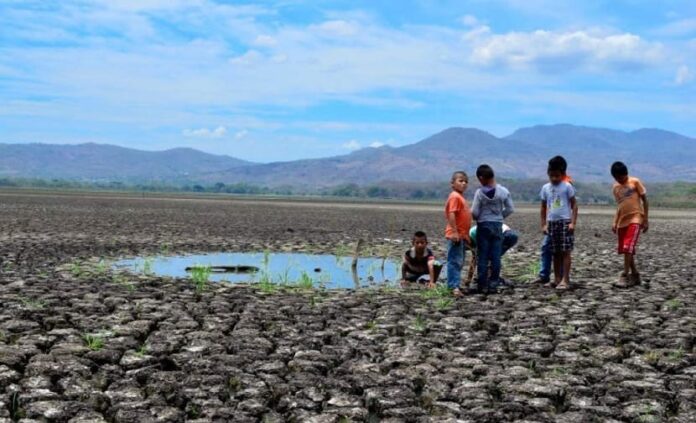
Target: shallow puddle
point(324, 270)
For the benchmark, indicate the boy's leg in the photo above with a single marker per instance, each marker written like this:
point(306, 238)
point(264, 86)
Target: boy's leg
point(557, 267)
point(496, 251)
point(483, 254)
point(509, 240)
point(437, 268)
point(567, 259)
point(455, 261)
point(546, 260)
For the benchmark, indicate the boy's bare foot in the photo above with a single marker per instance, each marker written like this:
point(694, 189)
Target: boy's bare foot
point(550, 284)
point(623, 281)
point(563, 286)
point(457, 293)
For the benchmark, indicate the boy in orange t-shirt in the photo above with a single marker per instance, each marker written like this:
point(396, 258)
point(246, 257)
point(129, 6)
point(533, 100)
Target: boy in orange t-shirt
point(458, 218)
point(631, 217)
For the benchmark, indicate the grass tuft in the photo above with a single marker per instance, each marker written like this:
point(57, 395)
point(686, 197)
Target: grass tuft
point(93, 342)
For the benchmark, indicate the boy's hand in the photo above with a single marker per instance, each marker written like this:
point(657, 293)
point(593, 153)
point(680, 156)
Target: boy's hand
point(545, 229)
point(455, 238)
point(645, 226)
point(614, 228)
point(571, 228)
point(431, 285)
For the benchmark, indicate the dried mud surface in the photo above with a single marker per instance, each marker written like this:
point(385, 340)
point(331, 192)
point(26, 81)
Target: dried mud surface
point(173, 354)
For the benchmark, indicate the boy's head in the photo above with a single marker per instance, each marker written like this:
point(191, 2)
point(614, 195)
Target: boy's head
point(419, 240)
point(557, 169)
point(619, 171)
point(485, 174)
point(459, 181)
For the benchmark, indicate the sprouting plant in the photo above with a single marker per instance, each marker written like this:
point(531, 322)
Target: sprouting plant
point(165, 249)
point(32, 304)
point(651, 357)
point(121, 279)
point(341, 252)
point(305, 281)
point(676, 355)
point(76, 269)
point(200, 274)
point(93, 342)
point(16, 410)
point(344, 419)
point(444, 303)
point(284, 278)
point(531, 271)
point(100, 268)
point(440, 291)
point(234, 384)
point(266, 284)
point(371, 325)
point(194, 410)
point(559, 371)
point(418, 324)
point(266, 259)
point(673, 304)
point(142, 350)
point(147, 266)
point(568, 330)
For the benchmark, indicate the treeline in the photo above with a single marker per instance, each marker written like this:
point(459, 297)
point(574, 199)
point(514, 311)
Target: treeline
point(678, 194)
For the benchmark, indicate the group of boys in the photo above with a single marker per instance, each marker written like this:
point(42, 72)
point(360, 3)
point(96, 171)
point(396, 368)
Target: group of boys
point(491, 238)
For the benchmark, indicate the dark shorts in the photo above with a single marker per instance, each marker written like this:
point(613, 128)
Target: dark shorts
point(561, 238)
point(416, 277)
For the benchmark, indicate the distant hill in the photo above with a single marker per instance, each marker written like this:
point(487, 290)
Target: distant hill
point(653, 154)
point(98, 162)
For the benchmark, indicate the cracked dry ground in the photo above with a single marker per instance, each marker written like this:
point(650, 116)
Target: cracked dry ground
point(237, 354)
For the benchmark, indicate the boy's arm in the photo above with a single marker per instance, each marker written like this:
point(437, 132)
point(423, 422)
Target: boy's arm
point(508, 206)
point(646, 209)
point(574, 221)
point(543, 216)
point(452, 220)
point(431, 272)
point(476, 206)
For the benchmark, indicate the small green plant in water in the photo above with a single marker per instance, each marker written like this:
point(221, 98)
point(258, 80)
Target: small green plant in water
point(93, 342)
point(147, 266)
point(305, 281)
point(266, 284)
point(200, 275)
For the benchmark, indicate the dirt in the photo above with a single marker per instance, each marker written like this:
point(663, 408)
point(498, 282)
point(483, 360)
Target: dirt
point(80, 344)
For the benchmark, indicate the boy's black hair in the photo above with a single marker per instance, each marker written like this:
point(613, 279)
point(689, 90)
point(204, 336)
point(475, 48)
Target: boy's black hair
point(420, 234)
point(459, 172)
point(558, 164)
point(619, 169)
point(485, 172)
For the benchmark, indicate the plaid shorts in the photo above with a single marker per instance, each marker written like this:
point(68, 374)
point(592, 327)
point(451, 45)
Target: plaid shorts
point(562, 239)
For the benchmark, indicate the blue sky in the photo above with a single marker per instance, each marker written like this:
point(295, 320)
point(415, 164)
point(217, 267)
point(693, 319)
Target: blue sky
point(289, 79)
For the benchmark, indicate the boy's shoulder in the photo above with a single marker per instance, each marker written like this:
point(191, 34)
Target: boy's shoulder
point(502, 189)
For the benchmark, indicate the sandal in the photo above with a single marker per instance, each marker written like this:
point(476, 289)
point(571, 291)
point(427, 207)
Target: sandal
point(563, 286)
point(457, 293)
point(623, 281)
point(550, 285)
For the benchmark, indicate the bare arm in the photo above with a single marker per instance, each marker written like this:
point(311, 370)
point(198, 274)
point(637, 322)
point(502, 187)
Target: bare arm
point(574, 206)
point(543, 216)
point(452, 220)
point(646, 210)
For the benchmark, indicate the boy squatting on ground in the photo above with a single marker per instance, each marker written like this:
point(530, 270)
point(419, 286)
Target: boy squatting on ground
point(419, 262)
point(492, 204)
point(559, 214)
point(631, 217)
point(546, 261)
point(458, 218)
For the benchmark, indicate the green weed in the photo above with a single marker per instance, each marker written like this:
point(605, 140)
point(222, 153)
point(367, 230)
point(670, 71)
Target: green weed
point(651, 357)
point(444, 303)
point(16, 410)
point(306, 282)
point(531, 272)
point(93, 342)
point(101, 268)
point(440, 291)
point(165, 249)
point(371, 325)
point(142, 350)
point(147, 266)
point(32, 304)
point(673, 304)
point(419, 324)
point(266, 284)
point(76, 269)
point(676, 355)
point(568, 330)
point(200, 275)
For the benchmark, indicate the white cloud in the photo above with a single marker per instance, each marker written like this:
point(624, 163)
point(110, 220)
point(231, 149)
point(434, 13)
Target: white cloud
point(469, 20)
point(241, 134)
point(677, 28)
point(352, 145)
point(683, 76)
point(574, 50)
point(336, 28)
point(218, 132)
point(377, 144)
point(264, 41)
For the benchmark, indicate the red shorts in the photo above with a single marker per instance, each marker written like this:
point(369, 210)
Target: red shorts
point(628, 238)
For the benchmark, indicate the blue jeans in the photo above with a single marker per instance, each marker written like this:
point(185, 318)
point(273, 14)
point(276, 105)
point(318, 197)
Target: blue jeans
point(455, 262)
point(546, 259)
point(509, 240)
point(489, 239)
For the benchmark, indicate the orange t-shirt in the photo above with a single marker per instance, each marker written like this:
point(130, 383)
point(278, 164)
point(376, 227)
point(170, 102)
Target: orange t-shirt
point(462, 215)
point(627, 197)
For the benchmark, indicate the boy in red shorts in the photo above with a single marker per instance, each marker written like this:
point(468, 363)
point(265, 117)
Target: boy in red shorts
point(631, 218)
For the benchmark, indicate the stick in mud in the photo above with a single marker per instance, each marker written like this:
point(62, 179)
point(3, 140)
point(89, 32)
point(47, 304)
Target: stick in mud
point(354, 265)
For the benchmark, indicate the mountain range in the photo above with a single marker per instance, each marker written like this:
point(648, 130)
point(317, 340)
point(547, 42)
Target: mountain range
point(653, 154)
